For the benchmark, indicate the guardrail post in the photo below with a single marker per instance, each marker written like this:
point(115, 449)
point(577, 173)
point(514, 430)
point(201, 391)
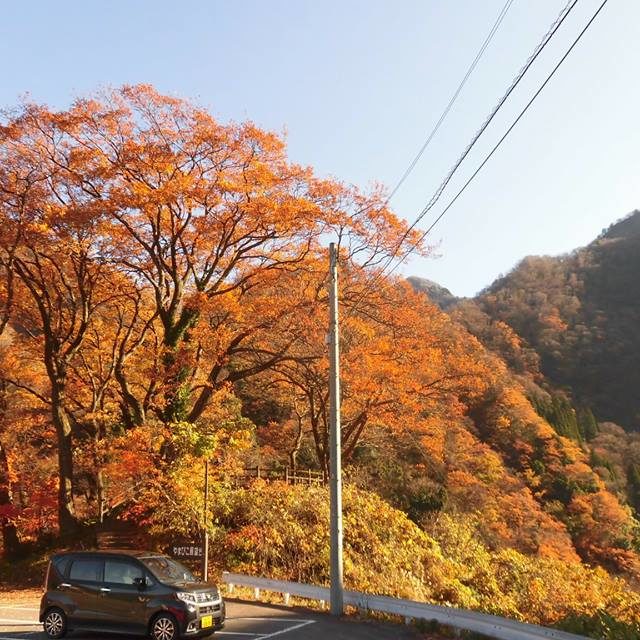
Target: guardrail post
point(323, 604)
point(286, 599)
point(230, 589)
point(256, 593)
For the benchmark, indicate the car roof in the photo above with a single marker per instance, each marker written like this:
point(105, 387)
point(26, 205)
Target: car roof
point(134, 553)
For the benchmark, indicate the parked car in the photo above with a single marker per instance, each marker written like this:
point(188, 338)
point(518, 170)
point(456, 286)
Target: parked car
point(135, 592)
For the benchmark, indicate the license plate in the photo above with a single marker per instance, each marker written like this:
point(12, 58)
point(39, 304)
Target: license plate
point(206, 621)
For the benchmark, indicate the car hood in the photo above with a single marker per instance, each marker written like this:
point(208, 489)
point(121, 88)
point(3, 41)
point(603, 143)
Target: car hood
point(194, 587)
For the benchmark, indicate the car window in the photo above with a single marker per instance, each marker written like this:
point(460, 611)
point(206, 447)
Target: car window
point(60, 563)
point(89, 569)
point(168, 570)
point(121, 572)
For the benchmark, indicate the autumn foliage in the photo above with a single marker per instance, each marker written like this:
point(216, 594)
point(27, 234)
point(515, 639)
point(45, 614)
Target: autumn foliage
point(163, 302)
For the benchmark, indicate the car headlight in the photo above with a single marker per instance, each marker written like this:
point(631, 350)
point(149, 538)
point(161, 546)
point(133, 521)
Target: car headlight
point(187, 597)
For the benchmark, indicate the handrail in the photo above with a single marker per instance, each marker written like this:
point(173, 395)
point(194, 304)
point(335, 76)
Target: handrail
point(122, 495)
point(493, 626)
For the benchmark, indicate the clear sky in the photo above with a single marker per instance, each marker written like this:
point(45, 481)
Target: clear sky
point(358, 84)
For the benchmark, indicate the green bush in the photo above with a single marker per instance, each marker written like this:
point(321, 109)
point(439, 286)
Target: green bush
point(600, 625)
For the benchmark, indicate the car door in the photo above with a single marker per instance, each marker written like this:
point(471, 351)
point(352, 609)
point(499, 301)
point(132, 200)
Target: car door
point(121, 600)
point(82, 585)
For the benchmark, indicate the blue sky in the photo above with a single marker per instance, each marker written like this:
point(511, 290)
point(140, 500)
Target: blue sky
point(358, 84)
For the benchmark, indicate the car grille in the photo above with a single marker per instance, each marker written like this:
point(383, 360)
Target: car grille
point(203, 610)
point(206, 598)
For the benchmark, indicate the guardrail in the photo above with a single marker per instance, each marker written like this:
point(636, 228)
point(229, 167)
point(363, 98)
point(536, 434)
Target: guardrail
point(492, 626)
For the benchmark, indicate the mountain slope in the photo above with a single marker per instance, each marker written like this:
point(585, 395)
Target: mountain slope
point(581, 314)
point(435, 292)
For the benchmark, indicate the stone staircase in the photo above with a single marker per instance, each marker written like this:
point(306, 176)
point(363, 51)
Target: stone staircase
point(114, 533)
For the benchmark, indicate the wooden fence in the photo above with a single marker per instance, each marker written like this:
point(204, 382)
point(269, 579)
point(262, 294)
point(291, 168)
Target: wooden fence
point(288, 475)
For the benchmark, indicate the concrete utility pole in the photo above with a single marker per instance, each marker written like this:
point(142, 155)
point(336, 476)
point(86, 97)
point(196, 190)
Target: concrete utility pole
point(205, 549)
point(337, 588)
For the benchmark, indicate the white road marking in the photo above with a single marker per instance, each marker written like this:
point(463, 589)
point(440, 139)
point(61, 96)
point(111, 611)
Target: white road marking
point(271, 619)
point(283, 631)
point(300, 622)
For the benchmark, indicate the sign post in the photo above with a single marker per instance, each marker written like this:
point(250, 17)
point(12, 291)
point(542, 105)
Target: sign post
point(205, 555)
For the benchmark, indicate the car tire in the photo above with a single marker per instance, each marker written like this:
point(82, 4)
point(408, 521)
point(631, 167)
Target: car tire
point(164, 627)
point(55, 623)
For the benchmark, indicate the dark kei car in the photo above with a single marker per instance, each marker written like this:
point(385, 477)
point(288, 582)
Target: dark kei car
point(135, 592)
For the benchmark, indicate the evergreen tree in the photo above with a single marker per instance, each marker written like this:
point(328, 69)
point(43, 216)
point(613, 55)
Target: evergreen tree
point(587, 424)
point(633, 478)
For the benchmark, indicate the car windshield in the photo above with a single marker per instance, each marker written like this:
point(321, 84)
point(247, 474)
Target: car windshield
point(168, 570)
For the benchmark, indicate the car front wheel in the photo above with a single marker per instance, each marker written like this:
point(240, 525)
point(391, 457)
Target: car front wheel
point(55, 623)
point(164, 627)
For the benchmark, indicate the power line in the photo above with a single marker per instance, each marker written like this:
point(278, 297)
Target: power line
point(454, 97)
point(515, 82)
point(447, 109)
point(557, 23)
point(503, 138)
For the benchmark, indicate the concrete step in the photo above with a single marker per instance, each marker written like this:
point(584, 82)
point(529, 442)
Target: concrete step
point(120, 535)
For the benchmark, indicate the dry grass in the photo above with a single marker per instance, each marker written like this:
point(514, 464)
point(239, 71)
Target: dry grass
point(19, 596)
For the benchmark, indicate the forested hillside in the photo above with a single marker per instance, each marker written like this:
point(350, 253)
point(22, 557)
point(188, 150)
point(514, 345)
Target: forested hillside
point(580, 313)
point(164, 303)
point(566, 327)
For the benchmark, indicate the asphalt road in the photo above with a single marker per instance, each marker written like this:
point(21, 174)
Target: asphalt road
point(245, 621)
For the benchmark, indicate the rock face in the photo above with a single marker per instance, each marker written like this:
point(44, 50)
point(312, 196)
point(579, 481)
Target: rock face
point(436, 293)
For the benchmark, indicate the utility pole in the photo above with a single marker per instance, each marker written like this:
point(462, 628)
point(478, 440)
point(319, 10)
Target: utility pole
point(205, 549)
point(337, 588)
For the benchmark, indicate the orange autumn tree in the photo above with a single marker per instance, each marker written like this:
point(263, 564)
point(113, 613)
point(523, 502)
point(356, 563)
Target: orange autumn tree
point(50, 244)
point(556, 470)
point(400, 360)
point(134, 190)
point(198, 210)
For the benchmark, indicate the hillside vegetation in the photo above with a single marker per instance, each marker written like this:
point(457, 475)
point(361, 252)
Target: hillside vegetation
point(282, 531)
point(580, 313)
point(163, 302)
point(566, 327)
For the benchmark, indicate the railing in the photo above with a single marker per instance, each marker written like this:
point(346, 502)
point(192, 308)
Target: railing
point(288, 475)
point(492, 626)
point(107, 506)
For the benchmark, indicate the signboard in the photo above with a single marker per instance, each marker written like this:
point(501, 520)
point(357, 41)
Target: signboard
point(186, 550)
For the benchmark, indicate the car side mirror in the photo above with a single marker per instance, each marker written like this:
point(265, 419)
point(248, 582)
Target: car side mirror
point(141, 583)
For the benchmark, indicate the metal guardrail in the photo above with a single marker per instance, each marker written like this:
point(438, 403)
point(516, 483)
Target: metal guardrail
point(492, 626)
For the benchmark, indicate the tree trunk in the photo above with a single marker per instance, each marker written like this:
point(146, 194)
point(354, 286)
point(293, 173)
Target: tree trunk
point(97, 469)
point(133, 412)
point(11, 543)
point(177, 368)
point(67, 521)
point(295, 449)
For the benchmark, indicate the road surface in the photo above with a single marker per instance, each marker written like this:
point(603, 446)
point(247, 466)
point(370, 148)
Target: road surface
point(245, 621)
